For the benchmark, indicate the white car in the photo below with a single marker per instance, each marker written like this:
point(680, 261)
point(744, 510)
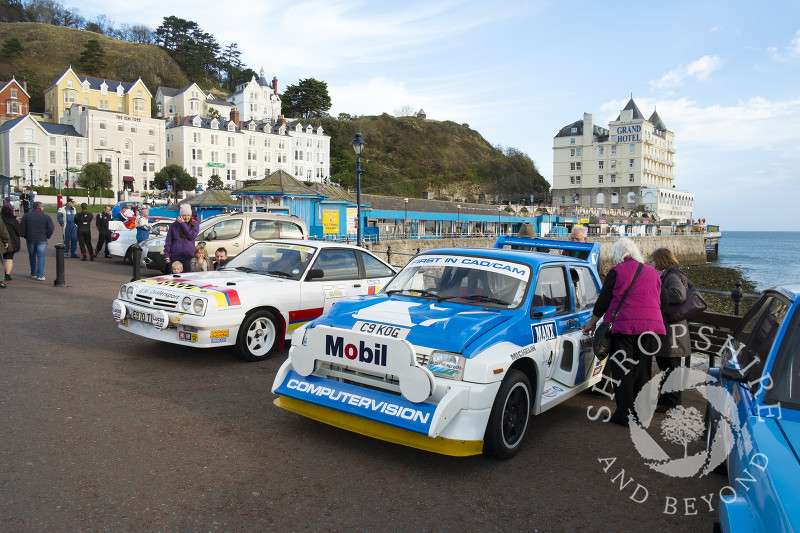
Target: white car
point(122, 237)
point(256, 301)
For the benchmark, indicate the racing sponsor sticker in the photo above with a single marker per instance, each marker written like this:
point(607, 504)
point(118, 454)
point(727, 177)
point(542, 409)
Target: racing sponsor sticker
point(118, 310)
point(382, 330)
point(160, 319)
point(219, 333)
point(544, 331)
point(367, 403)
point(187, 336)
point(517, 270)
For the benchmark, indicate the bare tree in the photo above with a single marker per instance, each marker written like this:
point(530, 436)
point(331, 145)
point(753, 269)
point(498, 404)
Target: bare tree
point(405, 111)
point(682, 426)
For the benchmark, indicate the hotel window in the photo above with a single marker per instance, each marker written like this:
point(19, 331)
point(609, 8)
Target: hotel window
point(572, 180)
point(151, 147)
point(231, 174)
point(614, 198)
point(120, 126)
point(633, 148)
point(613, 164)
point(126, 164)
point(214, 156)
point(196, 137)
point(578, 152)
point(119, 107)
point(151, 166)
point(52, 158)
point(613, 178)
point(600, 179)
point(578, 165)
point(602, 150)
point(102, 142)
point(630, 178)
point(630, 164)
point(231, 142)
point(197, 153)
point(151, 132)
point(231, 158)
point(572, 152)
point(133, 129)
point(127, 145)
point(577, 180)
point(169, 154)
point(214, 139)
point(614, 149)
point(144, 165)
point(171, 108)
point(101, 124)
point(79, 159)
point(600, 165)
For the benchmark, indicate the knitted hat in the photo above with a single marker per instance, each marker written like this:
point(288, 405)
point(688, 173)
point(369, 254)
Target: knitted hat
point(186, 209)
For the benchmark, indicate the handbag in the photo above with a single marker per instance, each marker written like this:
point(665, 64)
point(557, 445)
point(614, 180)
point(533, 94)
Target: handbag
point(602, 340)
point(693, 304)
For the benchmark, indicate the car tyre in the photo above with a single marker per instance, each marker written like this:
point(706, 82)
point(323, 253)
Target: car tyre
point(710, 433)
point(510, 416)
point(257, 336)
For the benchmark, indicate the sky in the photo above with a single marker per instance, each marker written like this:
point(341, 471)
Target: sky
point(724, 76)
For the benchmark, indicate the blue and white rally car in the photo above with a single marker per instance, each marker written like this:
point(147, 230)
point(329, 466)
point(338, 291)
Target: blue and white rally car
point(456, 353)
point(755, 424)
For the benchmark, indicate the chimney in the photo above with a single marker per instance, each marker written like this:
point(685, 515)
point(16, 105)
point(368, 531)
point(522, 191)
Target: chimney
point(275, 85)
point(281, 121)
point(235, 116)
point(177, 118)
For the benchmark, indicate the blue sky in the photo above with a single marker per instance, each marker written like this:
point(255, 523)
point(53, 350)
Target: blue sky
point(724, 76)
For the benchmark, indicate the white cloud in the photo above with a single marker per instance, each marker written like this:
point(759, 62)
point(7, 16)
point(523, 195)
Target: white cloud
point(792, 50)
point(700, 69)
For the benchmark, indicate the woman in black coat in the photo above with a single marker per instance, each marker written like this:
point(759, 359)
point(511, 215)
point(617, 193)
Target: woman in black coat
point(15, 231)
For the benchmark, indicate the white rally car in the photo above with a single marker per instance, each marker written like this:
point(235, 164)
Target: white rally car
point(256, 301)
point(458, 350)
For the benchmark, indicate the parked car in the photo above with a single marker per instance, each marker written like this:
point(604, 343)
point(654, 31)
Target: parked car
point(256, 301)
point(456, 353)
point(759, 421)
point(123, 238)
point(14, 197)
point(157, 201)
point(232, 231)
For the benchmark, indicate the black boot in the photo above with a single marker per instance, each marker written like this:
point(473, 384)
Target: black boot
point(83, 258)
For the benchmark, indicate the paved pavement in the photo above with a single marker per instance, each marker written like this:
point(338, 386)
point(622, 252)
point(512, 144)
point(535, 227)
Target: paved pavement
point(105, 431)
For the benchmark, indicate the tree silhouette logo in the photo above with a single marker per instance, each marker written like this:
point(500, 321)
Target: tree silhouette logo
point(684, 426)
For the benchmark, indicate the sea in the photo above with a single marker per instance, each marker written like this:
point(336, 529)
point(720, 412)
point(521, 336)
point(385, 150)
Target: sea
point(766, 258)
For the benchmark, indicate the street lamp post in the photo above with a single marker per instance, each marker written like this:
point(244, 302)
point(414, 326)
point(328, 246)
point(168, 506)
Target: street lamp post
point(458, 220)
point(405, 215)
point(499, 210)
point(119, 187)
point(358, 145)
point(31, 166)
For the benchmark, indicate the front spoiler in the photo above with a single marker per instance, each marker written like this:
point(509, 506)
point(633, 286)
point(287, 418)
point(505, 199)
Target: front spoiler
point(380, 430)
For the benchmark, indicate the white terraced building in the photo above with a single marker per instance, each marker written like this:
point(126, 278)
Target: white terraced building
point(632, 163)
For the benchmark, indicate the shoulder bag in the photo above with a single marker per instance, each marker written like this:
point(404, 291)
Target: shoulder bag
point(601, 343)
point(693, 304)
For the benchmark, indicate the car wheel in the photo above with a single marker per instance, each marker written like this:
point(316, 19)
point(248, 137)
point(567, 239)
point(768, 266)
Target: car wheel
point(711, 423)
point(127, 259)
point(257, 336)
point(508, 421)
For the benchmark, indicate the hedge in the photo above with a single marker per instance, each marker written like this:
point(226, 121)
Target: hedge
point(81, 193)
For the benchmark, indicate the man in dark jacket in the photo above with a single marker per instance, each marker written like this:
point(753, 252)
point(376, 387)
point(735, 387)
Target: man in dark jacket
point(104, 232)
point(84, 222)
point(39, 228)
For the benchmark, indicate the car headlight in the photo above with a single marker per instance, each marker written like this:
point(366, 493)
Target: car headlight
point(198, 305)
point(129, 292)
point(186, 303)
point(447, 365)
point(122, 291)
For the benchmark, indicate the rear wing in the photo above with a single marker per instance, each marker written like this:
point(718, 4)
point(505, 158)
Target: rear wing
point(587, 251)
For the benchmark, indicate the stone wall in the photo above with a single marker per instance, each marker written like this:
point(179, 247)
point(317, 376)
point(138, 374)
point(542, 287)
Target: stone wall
point(688, 249)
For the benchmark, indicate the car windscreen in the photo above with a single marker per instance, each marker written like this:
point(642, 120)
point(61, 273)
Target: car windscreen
point(469, 280)
point(287, 261)
point(785, 373)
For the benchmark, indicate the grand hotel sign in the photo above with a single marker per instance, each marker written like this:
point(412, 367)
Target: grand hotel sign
point(626, 134)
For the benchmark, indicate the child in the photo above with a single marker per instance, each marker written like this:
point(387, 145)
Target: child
point(177, 268)
point(200, 262)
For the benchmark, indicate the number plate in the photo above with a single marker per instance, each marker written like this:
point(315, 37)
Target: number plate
point(141, 316)
point(382, 330)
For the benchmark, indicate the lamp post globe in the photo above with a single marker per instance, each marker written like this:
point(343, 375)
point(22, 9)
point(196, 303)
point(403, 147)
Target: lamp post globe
point(358, 145)
point(31, 167)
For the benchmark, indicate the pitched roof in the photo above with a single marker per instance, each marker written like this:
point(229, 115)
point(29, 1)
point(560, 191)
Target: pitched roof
point(656, 121)
point(333, 192)
point(278, 183)
point(59, 129)
point(631, 106)
point(213, 198)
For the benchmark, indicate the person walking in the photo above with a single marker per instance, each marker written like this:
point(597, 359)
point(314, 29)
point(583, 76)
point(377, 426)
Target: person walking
point(24, 203)
point(638, 324)
point(38, 228)
point(677, 344)
point(5, 244)
point(179, 243)
point(143, 225)
point(103, 231)
point(83, 221)
point(15, 231)
point(66, 219)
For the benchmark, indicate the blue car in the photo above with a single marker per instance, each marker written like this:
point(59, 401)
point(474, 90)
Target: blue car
point(457, 352)
point(755, 422)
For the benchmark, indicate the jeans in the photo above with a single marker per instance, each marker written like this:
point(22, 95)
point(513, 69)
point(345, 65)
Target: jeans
point(36, 252)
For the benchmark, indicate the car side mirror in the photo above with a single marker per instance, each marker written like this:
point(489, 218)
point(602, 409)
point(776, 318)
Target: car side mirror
point(733, 374)
point(544, 311)
point(315, 273)
point(212, 236)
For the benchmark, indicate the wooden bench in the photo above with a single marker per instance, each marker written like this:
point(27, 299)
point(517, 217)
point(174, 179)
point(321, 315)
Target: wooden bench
point(710, 331)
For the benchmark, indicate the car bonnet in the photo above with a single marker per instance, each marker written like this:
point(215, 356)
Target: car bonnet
point(433, 324)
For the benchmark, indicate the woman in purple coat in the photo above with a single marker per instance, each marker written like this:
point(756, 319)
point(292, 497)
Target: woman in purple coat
point(638, 329)
point(179, 245)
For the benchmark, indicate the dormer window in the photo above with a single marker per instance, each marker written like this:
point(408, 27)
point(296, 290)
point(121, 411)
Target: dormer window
point(251, 127)
point(103, 88)
point(215, 124)
point(231, 126)
point(119, 90)
point(196, 122)
point(85, 86)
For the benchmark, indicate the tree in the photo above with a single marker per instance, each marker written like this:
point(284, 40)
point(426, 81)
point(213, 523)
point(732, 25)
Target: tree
point(12, 49)
point(683, 426)
point(12, 11)
point(308, 99)
point(95, 177)
point(176, 176)
point(405, 111)
point(93, 57)
point(215, 182)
